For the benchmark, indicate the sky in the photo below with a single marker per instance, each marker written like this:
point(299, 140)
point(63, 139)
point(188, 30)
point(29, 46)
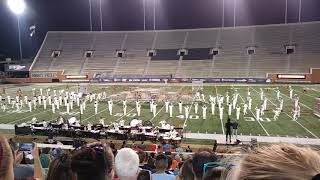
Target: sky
point(118, 15)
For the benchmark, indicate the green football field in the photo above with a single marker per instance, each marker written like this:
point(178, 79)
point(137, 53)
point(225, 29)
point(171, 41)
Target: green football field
point(308, 125)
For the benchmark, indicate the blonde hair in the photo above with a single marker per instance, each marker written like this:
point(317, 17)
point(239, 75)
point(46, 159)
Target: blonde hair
point(6, 159)
point(278, 162)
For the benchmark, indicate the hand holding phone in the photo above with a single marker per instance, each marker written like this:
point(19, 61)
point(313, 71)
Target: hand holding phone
point(26, 147)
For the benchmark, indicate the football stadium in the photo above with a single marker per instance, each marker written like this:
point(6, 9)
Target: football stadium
point(160, 89)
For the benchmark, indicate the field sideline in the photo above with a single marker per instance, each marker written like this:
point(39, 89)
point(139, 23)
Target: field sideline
point(307, 125)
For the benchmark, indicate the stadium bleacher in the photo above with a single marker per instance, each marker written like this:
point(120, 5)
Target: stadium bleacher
point(268, 41)
point(166, 54)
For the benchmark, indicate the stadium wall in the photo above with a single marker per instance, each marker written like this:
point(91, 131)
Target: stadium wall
point(46, 76)
point(17, 80)
point(312, 77)
point(315, 78)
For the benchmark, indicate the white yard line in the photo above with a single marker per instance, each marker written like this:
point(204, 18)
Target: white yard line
point(218, 110)
point(125, 115)
point(12, 112)
point(305, 94)
point(82, 120)
point(264, 129)
point(193, 99)
point(157, 113)
point(315, 90)
point(291, 118)
point(27, 117)
point(299, 101)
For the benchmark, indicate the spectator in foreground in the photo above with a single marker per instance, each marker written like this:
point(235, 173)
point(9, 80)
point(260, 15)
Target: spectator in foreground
point(60, 168)
point(186, 171)
point(170, 160)
point(175, 162)
point(154, 147)
point(188, 149)
point(93, 162)
point(143, 156)
point(6, 160)
point(150, 161)
point(161, 164)
point(198, 161)
point(45, 157)
point(127, 164)
point(142, 146)
point(112, 145)
point(166, 147)
point(214, 173)
point(144, 175)
point(279, 162)
point(21, 171)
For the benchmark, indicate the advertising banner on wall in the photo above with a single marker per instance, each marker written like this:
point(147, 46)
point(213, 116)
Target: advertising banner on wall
point(16, 67)
point(185, 80)
point(43, 74)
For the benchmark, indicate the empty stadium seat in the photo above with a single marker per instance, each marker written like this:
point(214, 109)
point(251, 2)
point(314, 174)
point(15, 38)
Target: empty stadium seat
point(269, 42)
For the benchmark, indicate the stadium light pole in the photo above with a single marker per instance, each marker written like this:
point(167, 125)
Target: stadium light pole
point(17, 7)
point(100, 15)
point(90, 15)
point(154, 15)
point(144, 15)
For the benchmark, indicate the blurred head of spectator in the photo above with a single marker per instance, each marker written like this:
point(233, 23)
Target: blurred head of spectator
point(214, 173)
point(6, 160)
point(198, 161)
point(142, 146)
point(143, 158)
point(112, 145)
point(161, 164)
point(154, 147)
point(60, 168)
point(166, 147)
point(150, 161)
point(188, 149)
point(93, 162)
point(56, 152)
point(278, 162)
point(175, 162)
point(186, 171)
point(186, 157)
point(127, 164)
point(144, 175)
point(124, 143)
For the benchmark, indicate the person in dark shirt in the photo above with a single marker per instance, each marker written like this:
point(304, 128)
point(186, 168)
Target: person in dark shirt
point(188, 149)
point(142, 146)
point(235, 126)
point(143, 157)
point(124, 144)
point(112, 145)
point(228, 127)
point(166, 147)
